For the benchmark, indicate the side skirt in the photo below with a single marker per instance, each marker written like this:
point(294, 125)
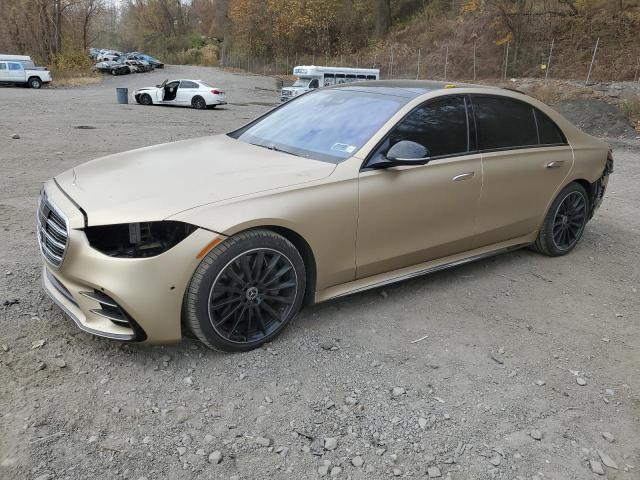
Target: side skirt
point(419, 270)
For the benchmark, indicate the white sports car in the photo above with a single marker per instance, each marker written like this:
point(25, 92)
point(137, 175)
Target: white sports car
point(186, 93)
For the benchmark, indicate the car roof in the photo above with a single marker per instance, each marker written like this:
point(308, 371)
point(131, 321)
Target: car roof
point(407, 88)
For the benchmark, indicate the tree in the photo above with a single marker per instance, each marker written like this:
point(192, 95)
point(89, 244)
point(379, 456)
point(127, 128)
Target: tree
point(383, 17)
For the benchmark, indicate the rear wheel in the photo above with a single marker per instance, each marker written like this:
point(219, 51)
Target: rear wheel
point(565, 222)
point(245, 291)
point(35, 82)
point(198, 103)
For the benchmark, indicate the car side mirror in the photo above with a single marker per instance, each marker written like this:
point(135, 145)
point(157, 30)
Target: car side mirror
point(406, 152)
point(403, 153)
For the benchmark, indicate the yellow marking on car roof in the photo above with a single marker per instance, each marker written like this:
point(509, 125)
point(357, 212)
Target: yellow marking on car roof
point(449, 85)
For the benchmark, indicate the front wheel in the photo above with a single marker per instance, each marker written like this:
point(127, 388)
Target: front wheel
point(245, 291)
point(145, 99)
point(565, 222)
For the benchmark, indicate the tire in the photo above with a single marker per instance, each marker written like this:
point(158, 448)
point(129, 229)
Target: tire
point(565, 222)
point(114, 72)
point(245, 291)
point(35, 82)
point(198, 103)
point(145, 99)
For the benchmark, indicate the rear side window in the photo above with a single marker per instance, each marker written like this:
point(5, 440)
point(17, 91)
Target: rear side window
point(187, 84)
point(15, 66)
point(439, 125)
point(504, 123)
point(550, 133)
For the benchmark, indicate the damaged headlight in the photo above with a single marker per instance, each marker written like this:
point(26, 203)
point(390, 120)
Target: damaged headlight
point(137, 240)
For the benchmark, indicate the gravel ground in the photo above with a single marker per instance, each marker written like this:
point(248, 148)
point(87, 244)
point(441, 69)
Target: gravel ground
point(516, 367)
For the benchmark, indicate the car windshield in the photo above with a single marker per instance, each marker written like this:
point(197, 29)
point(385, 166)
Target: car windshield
point(301, 82)
point(328, 124)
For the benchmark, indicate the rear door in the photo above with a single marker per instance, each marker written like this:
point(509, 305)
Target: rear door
point(525, 158)
point(413, 214)
point(16, 72)
point(186, 91)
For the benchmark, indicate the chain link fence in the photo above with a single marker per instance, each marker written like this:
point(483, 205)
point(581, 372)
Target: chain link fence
point(473, 62)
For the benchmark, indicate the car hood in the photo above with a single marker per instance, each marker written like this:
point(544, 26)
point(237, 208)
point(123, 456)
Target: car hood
point(154, 183)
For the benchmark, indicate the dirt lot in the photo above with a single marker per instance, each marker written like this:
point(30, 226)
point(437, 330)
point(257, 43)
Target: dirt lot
point(492, 390)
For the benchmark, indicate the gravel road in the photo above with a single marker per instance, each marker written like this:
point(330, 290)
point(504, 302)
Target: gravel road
point(516, 367)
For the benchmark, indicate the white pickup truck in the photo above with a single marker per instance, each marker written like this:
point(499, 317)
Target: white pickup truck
point(20, 70)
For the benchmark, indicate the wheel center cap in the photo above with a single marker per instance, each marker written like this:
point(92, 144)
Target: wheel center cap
point(252, 293)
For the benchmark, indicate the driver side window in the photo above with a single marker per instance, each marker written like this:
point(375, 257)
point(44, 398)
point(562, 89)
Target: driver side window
point(440, 125)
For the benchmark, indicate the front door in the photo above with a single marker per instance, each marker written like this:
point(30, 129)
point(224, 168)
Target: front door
point(410, 215)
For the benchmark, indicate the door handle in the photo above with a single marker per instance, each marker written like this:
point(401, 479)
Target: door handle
point(463, 176)
point(556, 164)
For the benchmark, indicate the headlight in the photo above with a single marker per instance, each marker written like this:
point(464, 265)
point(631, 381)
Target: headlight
point(137, 240)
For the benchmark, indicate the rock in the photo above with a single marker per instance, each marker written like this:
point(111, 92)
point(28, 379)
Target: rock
point(15, 136)
point(92, 439)
point(181, 450)
point(495, 460)
point(608, 437)
point(200, 452)
point(327, 346)
point(37, 344)
point(146, 440)
point(330, 443)
point(208, 438)
point(317, 446)
point(188, 380)
point(422, 422)
point(433, 472)
point(5, 348)
point(44, 476)
point(581, 381)
point(357, 461)
point(60, 363)
point(335, 471)
point(607, 460)
point(350, 401)
point(323, 470)
point(536, 434)
point(540, 383)
point(215, 457)
point(397, 472)
point(446, 416)
point(596, 467)
point(40, 366)
point(397, 392)
point(263, 441)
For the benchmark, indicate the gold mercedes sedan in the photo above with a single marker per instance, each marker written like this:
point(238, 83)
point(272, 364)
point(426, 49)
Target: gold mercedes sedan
point(341, 190)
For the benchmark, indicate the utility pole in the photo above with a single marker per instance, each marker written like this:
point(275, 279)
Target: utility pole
point(593, 59)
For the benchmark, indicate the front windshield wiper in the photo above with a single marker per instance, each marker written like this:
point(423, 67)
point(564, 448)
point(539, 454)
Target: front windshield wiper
point(272, 147)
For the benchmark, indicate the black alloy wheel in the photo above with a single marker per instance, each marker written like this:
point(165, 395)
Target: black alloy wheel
point(565, 222)
point(198, 103)
point(245, 291)
point(145, 99)
point(569, 220)
point(253, 295)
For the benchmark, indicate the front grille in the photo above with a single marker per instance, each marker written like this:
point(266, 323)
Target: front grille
point(53, 231)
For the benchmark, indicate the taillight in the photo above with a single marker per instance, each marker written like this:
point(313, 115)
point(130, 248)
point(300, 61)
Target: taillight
point(215, 91)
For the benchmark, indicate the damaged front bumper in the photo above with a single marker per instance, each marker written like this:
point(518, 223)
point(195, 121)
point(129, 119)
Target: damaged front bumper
point(128, 299)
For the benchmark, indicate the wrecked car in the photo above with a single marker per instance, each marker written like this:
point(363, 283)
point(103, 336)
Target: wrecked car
point(186, 93)
point(335, 192)
point(112, 67)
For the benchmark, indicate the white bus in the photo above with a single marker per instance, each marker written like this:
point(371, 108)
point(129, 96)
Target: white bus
point(312, 77)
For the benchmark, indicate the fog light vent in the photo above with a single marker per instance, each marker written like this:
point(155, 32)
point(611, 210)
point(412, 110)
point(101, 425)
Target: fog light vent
point(108, 308)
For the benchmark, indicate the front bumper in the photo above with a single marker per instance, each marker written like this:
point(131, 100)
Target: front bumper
point(148, 292)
